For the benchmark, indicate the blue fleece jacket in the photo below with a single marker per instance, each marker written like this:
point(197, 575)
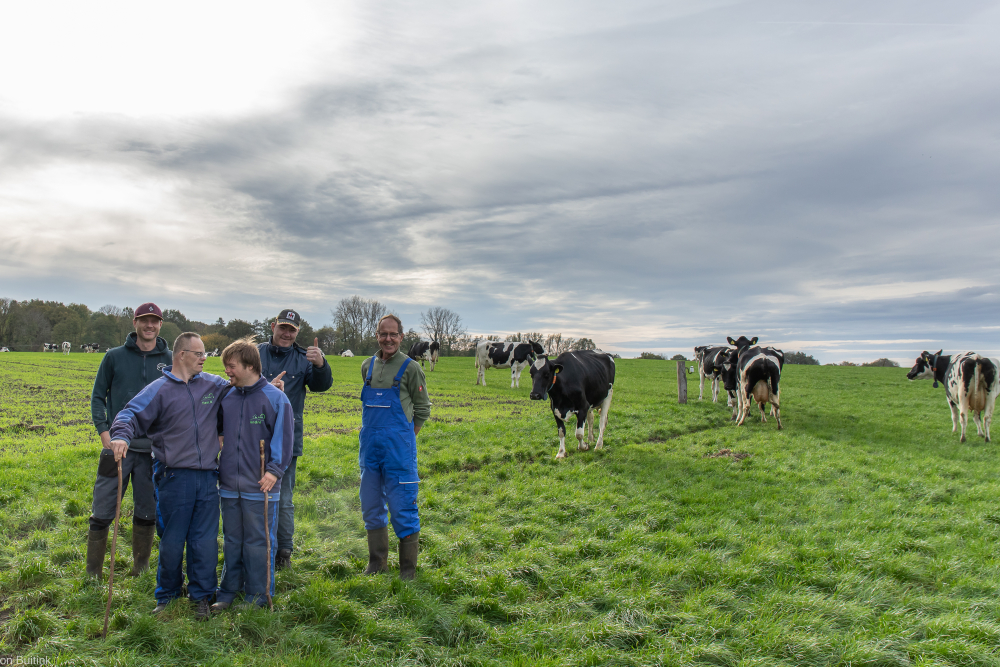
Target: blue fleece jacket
point(181, 418)
point(299, 374)
point(249, 415)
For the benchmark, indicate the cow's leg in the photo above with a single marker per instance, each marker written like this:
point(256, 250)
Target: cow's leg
point(581, 422)
point(975, 418)
point(515, 375)
point(745, 399)
point(963, 417)
point(481, 375)
point(954, 415)
point(590, 425)
point(776, 407)
point(605, 408)
point(763, 413)
point(715, 390)
point(988, 416)
point(701, 381)
point(561, 427)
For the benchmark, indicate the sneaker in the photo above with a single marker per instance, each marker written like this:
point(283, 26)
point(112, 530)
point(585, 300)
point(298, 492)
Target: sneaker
point(160, 606)
point(283, 559)
point(220, 606)
point(204, 611)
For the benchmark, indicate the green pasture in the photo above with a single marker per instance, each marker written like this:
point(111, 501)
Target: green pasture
point(862, 534)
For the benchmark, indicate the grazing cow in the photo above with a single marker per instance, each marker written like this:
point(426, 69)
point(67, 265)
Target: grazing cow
point(50, 347)
point(4, 349)
point(754, 373)
point(423, 351)
point(971, 382)
point(66, 347)
point(515, 356)
point(576, 383)
point(709, 365)
point(90, 347)
point(347, 353)
point(214, 353)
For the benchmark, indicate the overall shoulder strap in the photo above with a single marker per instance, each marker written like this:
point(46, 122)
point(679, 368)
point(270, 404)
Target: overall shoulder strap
point(402, 369)
point(371, 365)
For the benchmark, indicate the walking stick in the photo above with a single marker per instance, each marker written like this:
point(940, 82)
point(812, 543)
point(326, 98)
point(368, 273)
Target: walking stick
point(114, 547)
point(267, 531)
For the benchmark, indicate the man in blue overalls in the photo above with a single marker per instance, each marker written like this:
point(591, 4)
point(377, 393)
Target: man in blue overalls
point(394, 407)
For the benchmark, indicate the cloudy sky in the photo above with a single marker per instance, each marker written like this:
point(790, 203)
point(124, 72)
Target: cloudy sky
point(651, 175)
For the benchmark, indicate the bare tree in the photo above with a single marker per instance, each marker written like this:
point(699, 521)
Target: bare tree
point(555, 344)
point(357, 319)
point(584, 344)
point(444, 326)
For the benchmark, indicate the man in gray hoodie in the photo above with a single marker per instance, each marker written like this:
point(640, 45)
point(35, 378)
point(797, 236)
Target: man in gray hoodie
point(123, 373)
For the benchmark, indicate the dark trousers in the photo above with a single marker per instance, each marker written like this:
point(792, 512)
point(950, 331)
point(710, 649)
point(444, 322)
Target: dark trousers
point(286, 509)
point(137, 467)
point(244, 549)
point(187, 513)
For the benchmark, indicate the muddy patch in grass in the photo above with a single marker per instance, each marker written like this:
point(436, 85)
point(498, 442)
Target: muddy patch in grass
point(727, 453)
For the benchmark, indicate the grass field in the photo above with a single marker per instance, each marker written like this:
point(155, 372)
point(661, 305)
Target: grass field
point(862, 534)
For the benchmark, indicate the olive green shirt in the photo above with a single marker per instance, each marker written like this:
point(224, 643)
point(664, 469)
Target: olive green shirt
point(412, 387)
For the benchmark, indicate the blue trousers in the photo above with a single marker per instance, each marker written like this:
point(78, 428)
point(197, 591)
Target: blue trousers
point(286, 509)
point(244, 549)
point(187, 513)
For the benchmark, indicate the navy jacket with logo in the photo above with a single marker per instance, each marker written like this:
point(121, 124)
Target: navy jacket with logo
point(124, 372)
point(249, 415)
point(182, 419)
point(299, 374)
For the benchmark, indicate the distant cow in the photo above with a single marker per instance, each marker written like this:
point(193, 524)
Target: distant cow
point(754, 373)
point(515, 356)
point(4, 349)
point(50, 347)
point(709, 365)
point(347, 353)
point(66, 347)
point(90, 347)
point(576, 383)
point(423, 351)
point(971, 382)
point(214, 353)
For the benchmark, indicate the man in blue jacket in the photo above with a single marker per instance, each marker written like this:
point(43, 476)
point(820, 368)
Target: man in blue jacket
point(123, 373)
point(254, 412)
point(179, 413)
point(303, 367)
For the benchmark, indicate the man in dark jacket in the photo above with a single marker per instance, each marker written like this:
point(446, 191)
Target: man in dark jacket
point(123, 373)
point(179, 413)
point(257, 428)
point(303, 367)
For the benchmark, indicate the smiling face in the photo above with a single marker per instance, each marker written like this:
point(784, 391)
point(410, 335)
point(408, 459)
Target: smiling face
point(389, 337)
point(283, 334)
point(239, 374)
point(192, 357)
point(147, 328)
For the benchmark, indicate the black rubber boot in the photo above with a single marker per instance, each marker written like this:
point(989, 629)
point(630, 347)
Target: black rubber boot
point(97, 547)
point(142, 546)
point(283, 559)
point(409, 547)
point(378, 550)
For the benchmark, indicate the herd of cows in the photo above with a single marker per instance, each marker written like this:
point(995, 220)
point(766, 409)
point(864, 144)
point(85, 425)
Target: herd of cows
point(581, 382)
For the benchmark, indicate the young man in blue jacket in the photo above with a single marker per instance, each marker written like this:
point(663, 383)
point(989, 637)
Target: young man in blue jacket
point(303, 367)
point(123, 373)
point(179, 413)
point(252, 412)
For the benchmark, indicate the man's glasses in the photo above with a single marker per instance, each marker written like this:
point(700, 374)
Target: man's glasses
point(202, 355)
point(389, 335)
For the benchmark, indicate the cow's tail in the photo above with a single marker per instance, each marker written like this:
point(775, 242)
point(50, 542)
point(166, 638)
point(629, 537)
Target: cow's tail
point(775, 374)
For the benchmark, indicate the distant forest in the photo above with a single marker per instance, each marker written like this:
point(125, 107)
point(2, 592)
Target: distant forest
point(25, 326)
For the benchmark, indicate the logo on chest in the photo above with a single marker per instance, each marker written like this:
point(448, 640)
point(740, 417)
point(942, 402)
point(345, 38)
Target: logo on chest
point(257, 419)
point(208, 399)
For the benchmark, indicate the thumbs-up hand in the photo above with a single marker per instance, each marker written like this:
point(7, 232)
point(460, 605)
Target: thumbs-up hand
point(278, 382)
point(315, 355)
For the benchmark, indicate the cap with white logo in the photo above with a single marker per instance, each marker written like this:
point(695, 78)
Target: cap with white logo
point(289, 316)
point(148, 309)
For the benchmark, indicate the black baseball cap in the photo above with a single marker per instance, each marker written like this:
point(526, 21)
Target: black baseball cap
point(289, 316)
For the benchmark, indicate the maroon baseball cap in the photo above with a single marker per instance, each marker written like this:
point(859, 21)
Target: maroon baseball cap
point(148, 309)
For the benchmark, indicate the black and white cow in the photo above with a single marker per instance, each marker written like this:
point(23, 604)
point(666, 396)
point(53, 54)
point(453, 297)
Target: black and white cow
point(4, 349)
point(754, 373)
point(425, 351)
point(971, 382)
point(90, 347)
point(709, 365)
point(515, 356)
point(66, 347)
point(576, 383)
point(347, 353)
point(50, 347)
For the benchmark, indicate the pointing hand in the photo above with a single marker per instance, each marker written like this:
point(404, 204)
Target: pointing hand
point(278, 382)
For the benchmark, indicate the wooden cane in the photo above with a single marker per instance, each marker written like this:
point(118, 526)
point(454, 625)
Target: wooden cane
point(267, 532)
point(114, 548)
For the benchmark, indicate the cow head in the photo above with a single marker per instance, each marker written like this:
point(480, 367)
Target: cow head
point(699, 352)
point(924, 366)
point(537, 347)
point(741, 343)
point(544, 374)
point(727, 362)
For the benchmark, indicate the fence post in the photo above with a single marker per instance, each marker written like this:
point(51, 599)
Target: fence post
point(682, 382)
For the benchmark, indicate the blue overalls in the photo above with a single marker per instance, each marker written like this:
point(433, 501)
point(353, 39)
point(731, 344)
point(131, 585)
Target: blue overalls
point(388, 459)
